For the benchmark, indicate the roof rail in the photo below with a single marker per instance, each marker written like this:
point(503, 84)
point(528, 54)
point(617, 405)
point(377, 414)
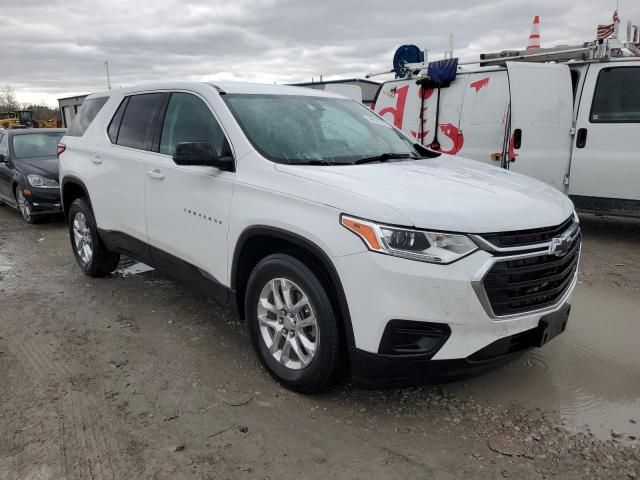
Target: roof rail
point(554, 54)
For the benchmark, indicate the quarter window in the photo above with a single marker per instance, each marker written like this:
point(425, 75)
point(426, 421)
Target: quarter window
point(114, 126)
point(4, 144)
point(85, 116)
point(616, 100)
point(137, 126)
point(188, 119)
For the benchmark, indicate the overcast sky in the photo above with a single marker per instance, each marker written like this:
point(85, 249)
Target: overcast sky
point(57, 48)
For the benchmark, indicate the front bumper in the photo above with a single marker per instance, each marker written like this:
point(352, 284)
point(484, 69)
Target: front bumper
point(377, 370)
point(44, 201)
point(380, 288)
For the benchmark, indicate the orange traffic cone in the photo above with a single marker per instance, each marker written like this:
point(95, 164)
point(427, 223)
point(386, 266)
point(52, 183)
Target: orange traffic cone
point(534, 38)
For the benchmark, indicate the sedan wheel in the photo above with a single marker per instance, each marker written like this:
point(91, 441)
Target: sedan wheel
point(82, 238)
point(23, 205)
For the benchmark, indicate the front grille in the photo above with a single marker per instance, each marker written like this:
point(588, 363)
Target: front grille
point(520, 238)
point(524, 284)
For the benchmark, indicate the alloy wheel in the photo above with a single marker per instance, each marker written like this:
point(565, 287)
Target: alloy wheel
point(288, 324)
point(23, 205)
point(82, 238)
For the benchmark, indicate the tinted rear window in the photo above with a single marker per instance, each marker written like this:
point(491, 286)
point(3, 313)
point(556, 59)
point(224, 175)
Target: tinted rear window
point(88, 111)
point(138, 122)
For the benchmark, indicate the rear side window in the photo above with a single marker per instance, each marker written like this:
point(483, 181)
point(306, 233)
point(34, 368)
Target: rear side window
point(88, 111)
point(138, 122)
point(616, 100)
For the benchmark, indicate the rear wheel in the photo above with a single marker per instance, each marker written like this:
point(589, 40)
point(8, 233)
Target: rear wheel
point(91, 254)
point(292, 325)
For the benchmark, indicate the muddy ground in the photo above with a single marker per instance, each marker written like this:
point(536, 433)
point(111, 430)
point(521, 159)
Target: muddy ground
point(136, 377)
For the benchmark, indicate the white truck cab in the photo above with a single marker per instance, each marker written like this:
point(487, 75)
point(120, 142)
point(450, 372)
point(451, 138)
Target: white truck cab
point(344, 244)
point(575, 125)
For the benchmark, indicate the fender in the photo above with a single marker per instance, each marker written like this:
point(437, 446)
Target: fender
point(315, 250)
point(72, 179)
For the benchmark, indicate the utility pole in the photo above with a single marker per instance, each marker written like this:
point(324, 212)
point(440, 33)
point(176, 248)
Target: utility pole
point(106, 65)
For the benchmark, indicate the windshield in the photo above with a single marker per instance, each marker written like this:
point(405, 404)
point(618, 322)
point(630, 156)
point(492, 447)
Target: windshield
point(36, 144)
point(315, 130)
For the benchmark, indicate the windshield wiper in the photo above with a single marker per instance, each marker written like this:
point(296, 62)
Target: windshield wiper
point(383, 157)
point(318, 162)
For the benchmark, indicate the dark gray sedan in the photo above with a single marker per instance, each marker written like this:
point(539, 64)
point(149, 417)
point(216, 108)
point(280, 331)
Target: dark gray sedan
point(29, 171)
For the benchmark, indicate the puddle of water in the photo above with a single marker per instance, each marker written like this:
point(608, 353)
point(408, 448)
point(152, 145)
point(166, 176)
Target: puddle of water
point(128, 266)
point(590, 374)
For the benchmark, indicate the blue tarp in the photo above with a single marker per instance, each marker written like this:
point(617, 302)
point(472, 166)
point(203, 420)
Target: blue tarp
point(443, 72)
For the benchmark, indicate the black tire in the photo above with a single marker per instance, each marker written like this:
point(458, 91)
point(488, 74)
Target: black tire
point(321, 372)
point(102, 262)
point(25, 211)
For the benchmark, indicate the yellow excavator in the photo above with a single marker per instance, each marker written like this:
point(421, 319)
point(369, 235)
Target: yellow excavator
point(24, 119)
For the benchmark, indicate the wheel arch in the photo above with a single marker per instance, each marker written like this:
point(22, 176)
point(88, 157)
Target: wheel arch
point(256, 242)
point(14, 186)
point(71, 189)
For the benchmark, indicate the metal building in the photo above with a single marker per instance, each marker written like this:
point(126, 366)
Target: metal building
point(346, 87)
point(69, 107)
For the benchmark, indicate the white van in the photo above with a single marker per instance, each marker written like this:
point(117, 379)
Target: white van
point(574, 125)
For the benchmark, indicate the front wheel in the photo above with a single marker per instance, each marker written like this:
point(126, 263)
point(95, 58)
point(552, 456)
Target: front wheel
point(292, 324)
point(24, 206)
point(91, 254)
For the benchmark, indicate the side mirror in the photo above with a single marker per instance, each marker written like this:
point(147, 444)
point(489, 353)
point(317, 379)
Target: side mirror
point(3, 159)
point(201, 154)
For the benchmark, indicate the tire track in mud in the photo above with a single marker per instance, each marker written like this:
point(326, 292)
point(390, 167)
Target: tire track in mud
point(89, 447)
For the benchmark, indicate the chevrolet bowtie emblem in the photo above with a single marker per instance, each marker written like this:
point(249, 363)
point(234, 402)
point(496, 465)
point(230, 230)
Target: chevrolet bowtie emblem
point(560, 246)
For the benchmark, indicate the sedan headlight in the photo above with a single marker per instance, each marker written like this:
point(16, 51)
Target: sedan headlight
point(432, 247)
point(39, 181)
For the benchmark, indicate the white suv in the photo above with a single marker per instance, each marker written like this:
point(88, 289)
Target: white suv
point(344, 245)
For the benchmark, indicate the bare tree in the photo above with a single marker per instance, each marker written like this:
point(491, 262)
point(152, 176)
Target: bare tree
point(8, 100)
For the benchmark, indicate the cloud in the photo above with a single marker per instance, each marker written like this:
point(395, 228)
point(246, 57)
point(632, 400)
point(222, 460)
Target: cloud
point(58, 48)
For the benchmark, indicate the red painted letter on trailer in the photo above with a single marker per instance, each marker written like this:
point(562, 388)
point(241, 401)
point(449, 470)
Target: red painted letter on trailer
point(398, 110)
point(479, 84)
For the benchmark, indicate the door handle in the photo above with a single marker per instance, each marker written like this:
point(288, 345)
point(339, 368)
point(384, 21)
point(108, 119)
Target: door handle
point(517, 138)
point(581, 138)
point(96, 159)
point(155, 173)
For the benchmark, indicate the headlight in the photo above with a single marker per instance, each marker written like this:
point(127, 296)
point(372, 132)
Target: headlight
point(38, 181)
point(432, 247)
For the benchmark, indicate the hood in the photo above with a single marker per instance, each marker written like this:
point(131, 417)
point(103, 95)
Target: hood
point(446, 193)
point(44, 166)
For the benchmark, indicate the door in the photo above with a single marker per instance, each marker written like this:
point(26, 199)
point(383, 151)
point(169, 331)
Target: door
point(115, 174)
point(605, 168)
point(483, 115)
point(187, 207)
point(541, 121)
point(401, 103)
point(6, 173)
